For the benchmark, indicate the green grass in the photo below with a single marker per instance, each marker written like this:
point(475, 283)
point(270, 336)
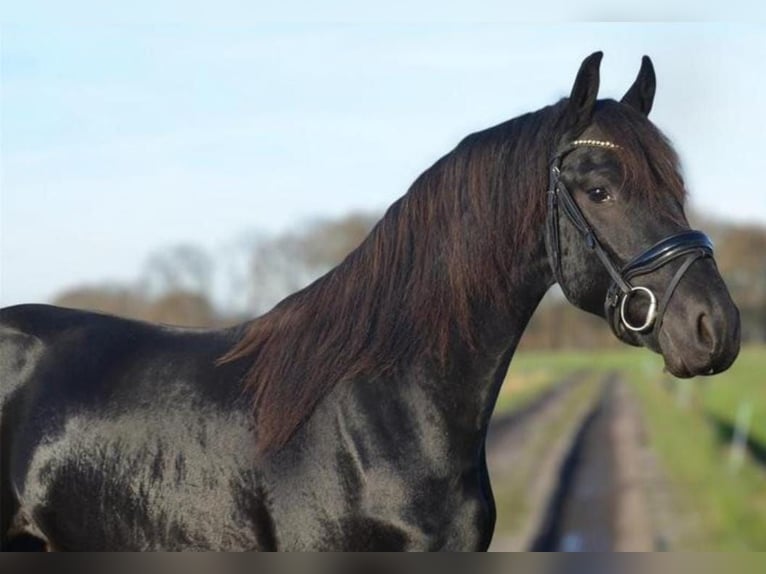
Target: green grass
point(725, 509)
point(533, 373)
point(743, 384)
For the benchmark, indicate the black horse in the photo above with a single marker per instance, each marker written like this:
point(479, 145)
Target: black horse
point(353, 415)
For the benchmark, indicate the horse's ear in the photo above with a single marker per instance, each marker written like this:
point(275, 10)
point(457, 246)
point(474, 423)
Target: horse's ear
point(582, 100)
point(641, 94)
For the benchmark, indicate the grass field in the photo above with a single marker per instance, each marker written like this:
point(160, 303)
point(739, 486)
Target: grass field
point(688, 425)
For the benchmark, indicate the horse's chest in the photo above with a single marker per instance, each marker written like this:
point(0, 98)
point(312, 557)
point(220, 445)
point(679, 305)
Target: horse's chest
point(381, 510)
point(425, 522)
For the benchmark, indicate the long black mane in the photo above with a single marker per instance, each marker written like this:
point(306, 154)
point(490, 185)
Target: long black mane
point(460, 234)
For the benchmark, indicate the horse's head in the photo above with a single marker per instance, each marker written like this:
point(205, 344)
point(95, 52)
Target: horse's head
point(618, 238)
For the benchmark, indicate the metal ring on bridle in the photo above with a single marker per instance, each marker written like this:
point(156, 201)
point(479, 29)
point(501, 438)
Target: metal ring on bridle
point(651, 313)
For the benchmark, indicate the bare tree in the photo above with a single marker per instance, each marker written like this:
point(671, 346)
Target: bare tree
point(741, 256)
point(183, 308)
point(186, 268)
point(289, 262)
point(181, 285)
point(112, 299)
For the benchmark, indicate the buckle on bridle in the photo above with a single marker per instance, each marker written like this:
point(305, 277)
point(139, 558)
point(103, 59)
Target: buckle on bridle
point(651, 313)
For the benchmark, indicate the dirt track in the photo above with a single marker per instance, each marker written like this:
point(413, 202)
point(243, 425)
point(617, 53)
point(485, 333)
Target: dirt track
point(587, 491)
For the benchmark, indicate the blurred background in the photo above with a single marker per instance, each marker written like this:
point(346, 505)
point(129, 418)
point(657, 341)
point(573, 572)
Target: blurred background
point(196, 173)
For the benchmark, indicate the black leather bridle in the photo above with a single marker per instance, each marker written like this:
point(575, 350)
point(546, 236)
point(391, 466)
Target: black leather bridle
point(691, 244)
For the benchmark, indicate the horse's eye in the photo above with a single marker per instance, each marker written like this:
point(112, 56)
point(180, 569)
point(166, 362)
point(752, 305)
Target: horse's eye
point(598, 195)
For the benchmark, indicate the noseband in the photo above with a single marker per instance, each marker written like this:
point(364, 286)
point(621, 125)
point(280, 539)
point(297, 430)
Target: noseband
point(690, 244)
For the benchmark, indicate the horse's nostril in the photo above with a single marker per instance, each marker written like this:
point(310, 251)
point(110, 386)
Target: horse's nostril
point(705, 330)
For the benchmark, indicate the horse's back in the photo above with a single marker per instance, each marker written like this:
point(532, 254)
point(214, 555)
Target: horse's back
point(121, 433)
point(81, 348)
point(76, 355)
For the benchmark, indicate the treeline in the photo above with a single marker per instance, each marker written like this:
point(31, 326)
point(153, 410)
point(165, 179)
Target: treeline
point(186, 285)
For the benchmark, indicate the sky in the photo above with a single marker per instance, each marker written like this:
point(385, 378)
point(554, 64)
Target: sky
point(123, 136)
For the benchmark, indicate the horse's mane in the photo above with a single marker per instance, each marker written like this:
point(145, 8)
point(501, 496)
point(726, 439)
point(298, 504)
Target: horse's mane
point(459, 235)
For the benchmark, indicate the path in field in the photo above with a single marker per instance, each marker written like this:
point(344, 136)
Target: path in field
point(589, 488)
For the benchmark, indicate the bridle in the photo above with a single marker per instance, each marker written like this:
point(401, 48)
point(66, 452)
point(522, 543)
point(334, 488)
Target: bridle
point(691, 244)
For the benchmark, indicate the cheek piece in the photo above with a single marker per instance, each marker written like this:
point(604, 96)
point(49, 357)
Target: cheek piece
point(690, 245)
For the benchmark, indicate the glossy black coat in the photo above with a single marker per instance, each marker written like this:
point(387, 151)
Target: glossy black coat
point(122, 435)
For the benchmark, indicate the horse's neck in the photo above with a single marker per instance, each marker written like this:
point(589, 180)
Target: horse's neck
point(465, 392)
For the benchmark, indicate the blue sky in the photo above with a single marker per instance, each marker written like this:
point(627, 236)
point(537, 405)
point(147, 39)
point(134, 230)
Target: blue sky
point(125, 137)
